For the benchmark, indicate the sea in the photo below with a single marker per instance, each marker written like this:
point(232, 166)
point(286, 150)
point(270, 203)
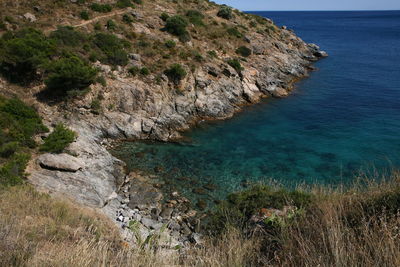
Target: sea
point(341, 123)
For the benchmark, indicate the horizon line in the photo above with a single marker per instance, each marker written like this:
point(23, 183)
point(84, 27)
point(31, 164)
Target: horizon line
point(316, 10)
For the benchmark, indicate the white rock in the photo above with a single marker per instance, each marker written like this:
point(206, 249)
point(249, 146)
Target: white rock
point(60, 162)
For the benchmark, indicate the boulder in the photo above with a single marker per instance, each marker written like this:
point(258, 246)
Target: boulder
point(30, 17)
point(60, 162)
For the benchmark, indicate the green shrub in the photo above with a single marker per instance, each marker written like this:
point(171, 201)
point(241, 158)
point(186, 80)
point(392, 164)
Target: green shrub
point(198, 57)
point(225, 13)
point(139, 2)
point(134, 70)
point(234, 32)
point(175, 73)
point(111, 25)
point(144, 71)
point(234, 63)
point(8, 149)
point(212, 54)
point(164, 16)
point(84, 15)
point(101, 8)
point(69, 73)
point(66, 35)
point(127, 19)
point(58, 140)
point(12, 172)
point(238, 208)
point(22, 53)
point(101, 80)
point(19, 122)
point(170, 44)
point(176, 25)
point(195, 17)
point(97, 26)
point(112, 47)
point(124, 3)
point(96, 106)
point(243, 51)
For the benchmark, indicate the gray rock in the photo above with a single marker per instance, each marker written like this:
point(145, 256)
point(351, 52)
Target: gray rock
point(30, 17)
point(134, 57)
point(151, 224)
point(166, 212)
point(60, 162)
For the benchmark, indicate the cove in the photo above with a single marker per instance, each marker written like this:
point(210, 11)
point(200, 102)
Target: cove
point(343, 119)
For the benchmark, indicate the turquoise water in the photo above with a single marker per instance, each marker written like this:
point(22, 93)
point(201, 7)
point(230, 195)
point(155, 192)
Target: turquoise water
point(343, 119)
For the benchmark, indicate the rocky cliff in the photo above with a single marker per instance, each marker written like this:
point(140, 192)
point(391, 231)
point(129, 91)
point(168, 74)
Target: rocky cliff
point(153, 106)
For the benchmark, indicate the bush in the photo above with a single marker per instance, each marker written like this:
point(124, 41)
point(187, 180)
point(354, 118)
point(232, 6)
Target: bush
point(124, 3)
point(243, 51)
point(175, 73)
point(134, 70)
point(22, 53)
point(112, 47)
point(66, 35)
point(12, 172)
point(84, 15)
point(96, 106)
point(195, 17)
point(139, 2)
point(101, 8)
point(234, 63)
point(69, 73)
point(111, 25)
point(234, 32)
point(18, 123)
point(164, 16)
point(144, 71)
point(170, 44)
point(212, 54)
point(176, 25)
point(225, 13)
point(8, 149)
point(58, 140)
point(127, 19)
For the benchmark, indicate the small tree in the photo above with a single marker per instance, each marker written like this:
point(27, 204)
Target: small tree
point(70, 73)
point(234, 63)
point(58, 140)
point(243, 51)
point(175, 73)
point(225, 13)
point(176, 25)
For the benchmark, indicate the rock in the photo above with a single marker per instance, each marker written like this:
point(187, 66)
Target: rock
point(134, 57)
point(196, 239)
point(174, 226)
point(185, 230)
point(166, 212)
point(60, 162)
point(30, 17)
point(175, 194)
point(199, 191)
point(151, 224)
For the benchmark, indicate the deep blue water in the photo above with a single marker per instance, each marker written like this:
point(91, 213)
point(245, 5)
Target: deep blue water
point(343, 119)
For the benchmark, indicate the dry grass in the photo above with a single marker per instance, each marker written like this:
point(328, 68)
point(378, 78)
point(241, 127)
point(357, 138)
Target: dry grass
point(337, 230)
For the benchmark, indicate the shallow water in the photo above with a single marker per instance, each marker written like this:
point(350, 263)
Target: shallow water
point(343, 119)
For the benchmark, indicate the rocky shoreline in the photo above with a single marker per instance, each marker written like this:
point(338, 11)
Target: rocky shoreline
point(89, 174)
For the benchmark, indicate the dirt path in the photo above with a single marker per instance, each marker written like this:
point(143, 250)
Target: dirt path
point(95, 19)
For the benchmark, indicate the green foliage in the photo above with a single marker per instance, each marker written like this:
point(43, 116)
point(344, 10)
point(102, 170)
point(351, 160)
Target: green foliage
point(239, 207)
point(212, 54)
point(139, 2)
point(22, 53)
point(164, 16)
point(66, 35)
point(144, 71)
point(84, 15)
point(97, 26)
point(234, 32)
point(111, 25)
point(112, 47)
point(176, 25)
point(124, 3)
point(195, 17)
point(225, 13)
point(69, 73)
point(58, 140)
point(101, 8)
point(127, 19)
point(243, 51)
point(198, 57)
point(234, 63)
point(18, 123)
point(12, 172)
point(134, 70)
point(96, 106)
point(170, 44)
point(175, 73)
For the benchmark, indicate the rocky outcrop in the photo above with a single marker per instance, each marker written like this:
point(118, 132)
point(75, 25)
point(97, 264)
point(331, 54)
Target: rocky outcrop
point(60, 162)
